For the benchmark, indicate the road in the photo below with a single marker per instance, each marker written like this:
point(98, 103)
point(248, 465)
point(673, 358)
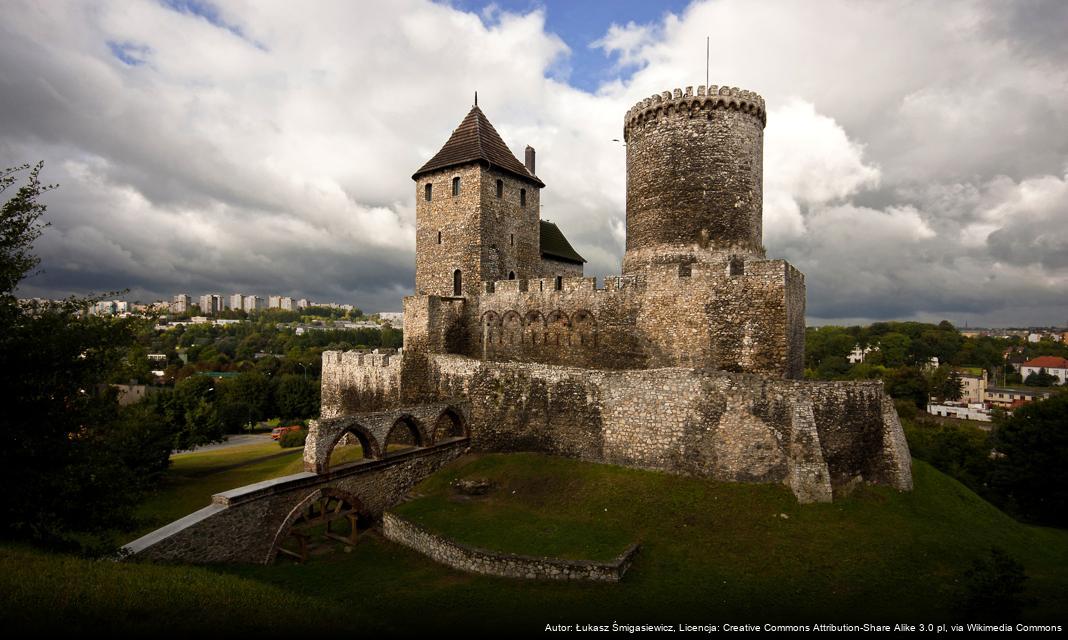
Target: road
point(234, 441)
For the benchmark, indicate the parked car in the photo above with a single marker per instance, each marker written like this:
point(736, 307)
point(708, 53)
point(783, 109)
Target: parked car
point(278, 432)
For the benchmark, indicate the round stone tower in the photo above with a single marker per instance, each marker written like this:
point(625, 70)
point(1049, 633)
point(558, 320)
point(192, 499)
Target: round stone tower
point(694, 177)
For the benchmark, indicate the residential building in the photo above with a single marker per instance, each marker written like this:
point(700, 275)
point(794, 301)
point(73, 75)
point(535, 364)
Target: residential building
point(1012, 397)
point(274, 302)
point(960, 410)
point(211, 303)
point(252, 303)
point(858, 354)
point(1053, 365)
point(237, 301)
point(181, 303)
point(973, 384)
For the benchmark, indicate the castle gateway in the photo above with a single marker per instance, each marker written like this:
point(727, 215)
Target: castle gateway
point(690, 361)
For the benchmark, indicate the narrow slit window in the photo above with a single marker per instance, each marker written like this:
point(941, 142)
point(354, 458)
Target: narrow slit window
point(439, 237)
point(500, 188)
point(456, 186)
point(558, 284)
point(428, 192)
point(511, 239)
point(457, 283)
point(522, 197)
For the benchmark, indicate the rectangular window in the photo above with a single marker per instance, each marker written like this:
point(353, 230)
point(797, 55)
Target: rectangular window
point(500, 188)
point(522, 197)
point(428, 191)
point(456, 186)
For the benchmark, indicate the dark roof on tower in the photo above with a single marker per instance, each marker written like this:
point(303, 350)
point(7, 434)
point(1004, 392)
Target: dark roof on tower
point(475, 140)
point(554, 245)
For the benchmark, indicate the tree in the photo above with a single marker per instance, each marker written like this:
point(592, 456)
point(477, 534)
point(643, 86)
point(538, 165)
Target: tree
point(1041, 379)
point(20, 225)
point(73, 461)
point(1032, 468)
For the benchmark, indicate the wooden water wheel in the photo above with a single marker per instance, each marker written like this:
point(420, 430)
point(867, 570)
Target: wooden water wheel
point(318, 518)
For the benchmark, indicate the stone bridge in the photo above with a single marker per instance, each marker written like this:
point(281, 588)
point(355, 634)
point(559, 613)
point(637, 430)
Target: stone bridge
point(258, 522)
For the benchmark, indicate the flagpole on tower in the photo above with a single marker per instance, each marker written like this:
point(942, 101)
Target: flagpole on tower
point(707, 47)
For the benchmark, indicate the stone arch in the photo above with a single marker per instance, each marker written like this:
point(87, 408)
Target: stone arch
point(584, 329)
point(350, 506)
point(406, 432)
point(534, 328)
point(449, 424)
point(511, 328)
point(367, 442)
point(491, 328)
point(558, 329)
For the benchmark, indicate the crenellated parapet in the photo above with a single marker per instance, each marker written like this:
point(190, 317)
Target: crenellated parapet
point(688, 103)
point(360, 380)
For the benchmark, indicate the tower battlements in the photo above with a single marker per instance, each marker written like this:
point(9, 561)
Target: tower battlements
point(690, 104)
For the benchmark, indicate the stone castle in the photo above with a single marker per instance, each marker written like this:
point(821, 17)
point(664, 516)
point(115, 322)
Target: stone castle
point(690, 361)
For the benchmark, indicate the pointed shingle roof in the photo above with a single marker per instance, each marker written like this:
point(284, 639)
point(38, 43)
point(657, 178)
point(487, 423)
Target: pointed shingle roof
point(475, 140)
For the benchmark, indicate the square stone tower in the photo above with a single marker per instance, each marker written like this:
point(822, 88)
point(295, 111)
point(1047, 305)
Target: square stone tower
point(477, 213)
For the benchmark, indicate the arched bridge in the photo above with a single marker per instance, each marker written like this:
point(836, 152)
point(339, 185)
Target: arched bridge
point(260, 522)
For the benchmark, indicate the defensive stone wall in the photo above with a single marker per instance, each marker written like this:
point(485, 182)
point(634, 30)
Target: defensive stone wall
point(495, 563)
point(354, 381)
point(733, 314)
point(815, 437)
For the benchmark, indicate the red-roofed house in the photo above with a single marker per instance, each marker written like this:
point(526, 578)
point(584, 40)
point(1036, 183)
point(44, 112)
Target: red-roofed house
point(1053, 365)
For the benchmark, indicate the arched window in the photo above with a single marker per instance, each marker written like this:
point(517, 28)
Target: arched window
point(511, 275)
point(456, 186)
point(457, 283)
point(522, 197)
point(500, 188)
point(428, 191)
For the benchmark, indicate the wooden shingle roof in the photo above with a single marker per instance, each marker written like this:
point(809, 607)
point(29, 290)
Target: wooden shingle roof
point(475, 140)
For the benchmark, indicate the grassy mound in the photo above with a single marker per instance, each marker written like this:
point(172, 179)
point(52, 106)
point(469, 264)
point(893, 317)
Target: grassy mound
point(712, 553)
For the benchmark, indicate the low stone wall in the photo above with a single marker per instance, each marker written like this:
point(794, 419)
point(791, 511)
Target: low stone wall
point(494, 563)
point(242, 525)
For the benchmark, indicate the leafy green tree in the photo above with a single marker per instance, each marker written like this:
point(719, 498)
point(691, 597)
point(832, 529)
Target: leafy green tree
point(908, 383)
point(1041, 379)
point(73, 462)
point(1032, 468)
point(297, 397)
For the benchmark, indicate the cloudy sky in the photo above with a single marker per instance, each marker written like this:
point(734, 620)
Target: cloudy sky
point(916, 154)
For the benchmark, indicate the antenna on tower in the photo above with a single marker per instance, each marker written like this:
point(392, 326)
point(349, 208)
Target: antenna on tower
point(707, 49)
point(476, 98)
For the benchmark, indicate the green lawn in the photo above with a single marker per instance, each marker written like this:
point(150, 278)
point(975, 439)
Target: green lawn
point(194, 477)
point(711, 553)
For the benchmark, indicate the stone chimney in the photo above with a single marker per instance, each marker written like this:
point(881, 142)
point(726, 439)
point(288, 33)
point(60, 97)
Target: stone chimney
point(530, 160)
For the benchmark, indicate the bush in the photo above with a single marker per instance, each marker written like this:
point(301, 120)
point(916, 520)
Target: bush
point(994, 587)
point(293, 439)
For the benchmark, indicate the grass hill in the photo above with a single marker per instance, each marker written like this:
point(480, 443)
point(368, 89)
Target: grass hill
point(712, 553)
